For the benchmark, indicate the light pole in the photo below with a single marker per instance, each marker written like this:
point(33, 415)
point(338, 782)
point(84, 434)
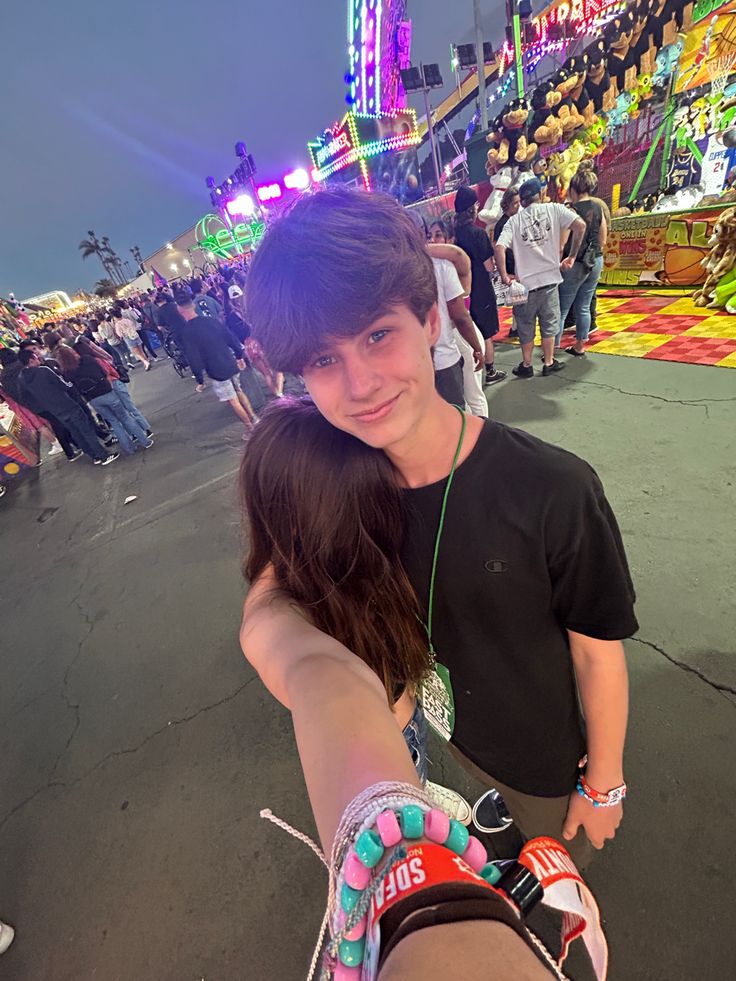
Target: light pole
point(423, 79)
point(481, 66)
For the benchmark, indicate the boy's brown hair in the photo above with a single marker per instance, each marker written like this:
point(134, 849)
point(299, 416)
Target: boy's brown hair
point(332, 265)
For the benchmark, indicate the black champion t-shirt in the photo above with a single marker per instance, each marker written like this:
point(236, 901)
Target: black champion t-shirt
point(530, 549)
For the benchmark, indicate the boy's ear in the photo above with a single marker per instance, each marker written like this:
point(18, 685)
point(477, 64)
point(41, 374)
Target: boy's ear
point(433, 325)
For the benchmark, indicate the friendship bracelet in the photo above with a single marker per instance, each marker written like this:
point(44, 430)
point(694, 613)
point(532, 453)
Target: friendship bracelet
point(596, 798)
point(393, 828)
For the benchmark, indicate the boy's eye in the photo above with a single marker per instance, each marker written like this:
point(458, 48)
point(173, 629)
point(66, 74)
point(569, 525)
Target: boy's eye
point(377, 335)
point(323, 362)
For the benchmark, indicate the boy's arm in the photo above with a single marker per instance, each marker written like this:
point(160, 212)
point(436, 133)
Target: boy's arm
point(600, 670)
point(500, 253)
point(466, 328)
point(455, 255)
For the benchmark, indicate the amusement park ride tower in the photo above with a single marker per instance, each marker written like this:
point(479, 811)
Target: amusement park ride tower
point(374, 144)
point(379, 42)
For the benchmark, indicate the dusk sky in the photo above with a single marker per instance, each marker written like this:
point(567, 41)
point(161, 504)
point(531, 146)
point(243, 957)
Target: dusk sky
point(113, 114)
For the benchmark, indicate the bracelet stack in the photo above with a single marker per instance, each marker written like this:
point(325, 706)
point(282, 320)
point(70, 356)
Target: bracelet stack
point(392, 828)
point(596, 797)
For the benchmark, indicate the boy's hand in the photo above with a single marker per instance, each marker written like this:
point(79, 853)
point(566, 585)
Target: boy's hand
point(600, 823)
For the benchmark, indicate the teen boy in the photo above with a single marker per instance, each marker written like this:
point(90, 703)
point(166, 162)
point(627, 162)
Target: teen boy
point(532, 594)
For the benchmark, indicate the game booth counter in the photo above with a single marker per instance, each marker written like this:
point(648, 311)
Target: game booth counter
point(19, 445)
point(647, 100)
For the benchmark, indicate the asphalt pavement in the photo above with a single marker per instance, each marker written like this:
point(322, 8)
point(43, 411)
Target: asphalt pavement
point(137, 747)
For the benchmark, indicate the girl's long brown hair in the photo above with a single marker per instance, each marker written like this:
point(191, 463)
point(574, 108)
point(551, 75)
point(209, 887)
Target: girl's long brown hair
point(326, 512)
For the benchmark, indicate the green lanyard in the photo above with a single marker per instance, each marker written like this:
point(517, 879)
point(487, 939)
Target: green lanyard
point(448, 485)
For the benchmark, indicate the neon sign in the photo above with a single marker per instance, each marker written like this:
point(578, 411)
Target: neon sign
point(331, 149)
point(359, 136)
point(558, 26)
point(227, 242)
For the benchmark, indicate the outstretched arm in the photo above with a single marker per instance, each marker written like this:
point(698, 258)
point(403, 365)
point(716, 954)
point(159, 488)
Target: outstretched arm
point(345, 730)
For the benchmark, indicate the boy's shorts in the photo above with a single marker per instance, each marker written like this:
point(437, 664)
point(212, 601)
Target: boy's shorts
point(544, 304)
point(226, 390)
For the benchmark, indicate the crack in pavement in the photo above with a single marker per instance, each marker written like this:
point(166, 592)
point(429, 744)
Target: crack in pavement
point(173, 723)
point(691, 403)
point(683, 665)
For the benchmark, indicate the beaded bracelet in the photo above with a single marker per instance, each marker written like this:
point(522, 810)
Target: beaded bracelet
point(409, 823)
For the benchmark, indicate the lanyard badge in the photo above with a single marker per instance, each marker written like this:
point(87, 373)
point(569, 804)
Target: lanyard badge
point(438, 701)
point(436, 691)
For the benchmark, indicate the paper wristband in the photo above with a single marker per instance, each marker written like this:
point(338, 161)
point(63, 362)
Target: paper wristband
point(564, 890)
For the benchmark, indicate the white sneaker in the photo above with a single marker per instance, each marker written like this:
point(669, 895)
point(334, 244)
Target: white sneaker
point(6, 937)
point(55, 448)
point(450, 802)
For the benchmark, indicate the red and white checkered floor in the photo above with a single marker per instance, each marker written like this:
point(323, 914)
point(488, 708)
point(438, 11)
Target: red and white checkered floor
point(659, 326)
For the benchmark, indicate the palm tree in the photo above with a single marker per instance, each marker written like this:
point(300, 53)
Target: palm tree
point(92, 246)
point(113, 261)
point(106, 289)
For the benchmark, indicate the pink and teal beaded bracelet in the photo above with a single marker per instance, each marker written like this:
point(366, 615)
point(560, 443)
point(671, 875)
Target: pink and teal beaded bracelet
point(392, 828)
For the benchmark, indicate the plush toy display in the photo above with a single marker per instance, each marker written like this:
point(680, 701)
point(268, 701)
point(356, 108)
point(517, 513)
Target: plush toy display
point(618, 34)
point(666, 62)
point(598, 82)
point(603, 88)
point(561, 168)
point(509, 136)
point(567, 112)
point(539, 168)
point(620, 115)
point(500, 180)
point(682, 200)
point(594, 139)
point(578, 66)
point(719, 288)
point(545, 127)
point(642, 52)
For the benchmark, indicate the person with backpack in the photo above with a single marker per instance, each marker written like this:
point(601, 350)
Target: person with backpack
point(212, 348)
point(43, 391)
point(87, 373)
point(579, 282)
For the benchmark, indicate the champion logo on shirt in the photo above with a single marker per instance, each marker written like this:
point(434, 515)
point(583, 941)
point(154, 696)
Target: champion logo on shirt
point(496, 565)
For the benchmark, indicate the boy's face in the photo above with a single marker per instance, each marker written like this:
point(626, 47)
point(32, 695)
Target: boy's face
point(378, 384)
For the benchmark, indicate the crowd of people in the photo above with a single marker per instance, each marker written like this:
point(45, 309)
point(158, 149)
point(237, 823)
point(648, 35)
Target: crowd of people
point(70, 384)
point(554, 251)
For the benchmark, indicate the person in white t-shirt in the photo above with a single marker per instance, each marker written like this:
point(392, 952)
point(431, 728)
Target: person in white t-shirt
point(439, 247)
point(448, 362)
point(534, 234)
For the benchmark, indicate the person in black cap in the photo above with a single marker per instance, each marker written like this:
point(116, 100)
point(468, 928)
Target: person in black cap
point(475, 242)
point(534, 234)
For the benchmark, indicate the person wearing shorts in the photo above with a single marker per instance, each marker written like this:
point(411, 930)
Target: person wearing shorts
point(534, 234)
point(227, 390)
point(126, 329)
point(210, 347)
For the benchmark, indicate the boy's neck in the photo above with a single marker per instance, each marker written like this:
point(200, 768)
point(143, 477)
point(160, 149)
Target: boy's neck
point(428, 456)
